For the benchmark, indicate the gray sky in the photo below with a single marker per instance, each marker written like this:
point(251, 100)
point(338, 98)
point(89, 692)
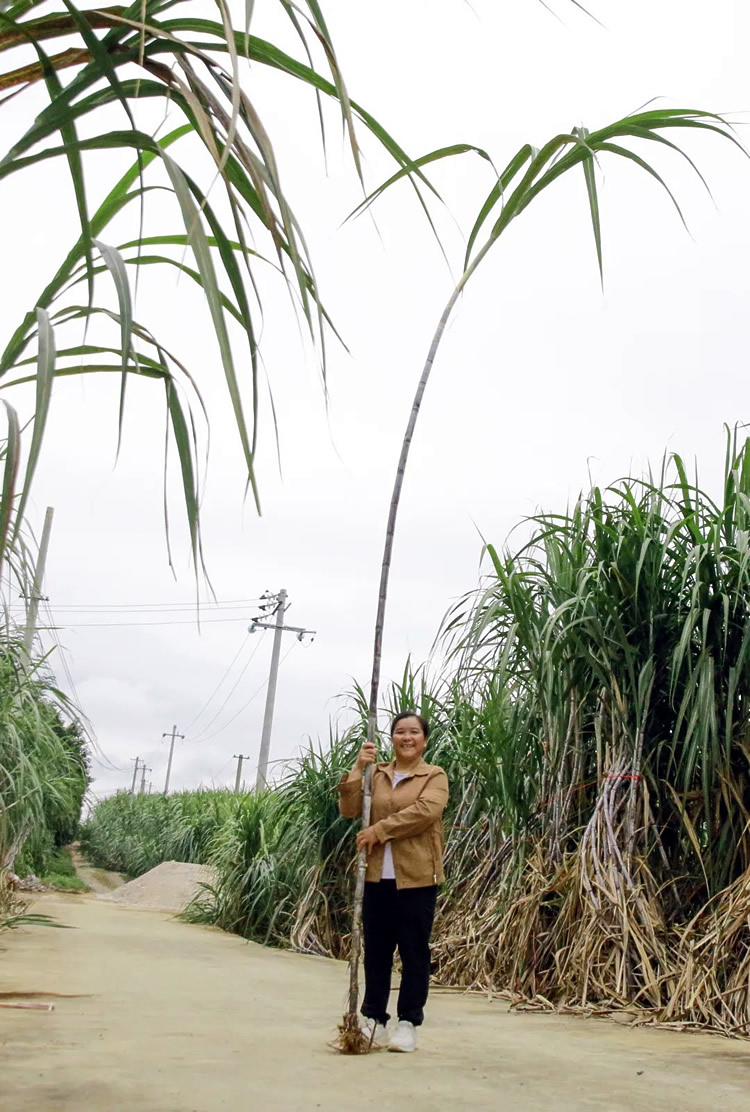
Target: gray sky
point(542, 378)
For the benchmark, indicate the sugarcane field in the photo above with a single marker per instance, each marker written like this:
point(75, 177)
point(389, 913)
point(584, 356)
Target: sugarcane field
point(375, 566)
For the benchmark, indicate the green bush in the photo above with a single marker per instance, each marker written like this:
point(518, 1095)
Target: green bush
point(43, 765)
point(60, 873)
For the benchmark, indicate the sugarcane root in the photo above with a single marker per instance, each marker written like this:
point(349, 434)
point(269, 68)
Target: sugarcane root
point(351, 1039)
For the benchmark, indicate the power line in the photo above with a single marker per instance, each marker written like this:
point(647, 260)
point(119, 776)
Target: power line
point(88, 725)
point(149, 606)
point(221, 681)
point(226, 764)
point(63, 659)
point(151, 611)
point(254, 695)
point(248, 662)
point(113, 625)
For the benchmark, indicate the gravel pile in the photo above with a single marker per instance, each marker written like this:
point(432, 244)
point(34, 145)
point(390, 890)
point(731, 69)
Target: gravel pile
point(169, 887)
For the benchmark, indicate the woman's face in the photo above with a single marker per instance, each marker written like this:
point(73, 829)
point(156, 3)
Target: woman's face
point(409, 742)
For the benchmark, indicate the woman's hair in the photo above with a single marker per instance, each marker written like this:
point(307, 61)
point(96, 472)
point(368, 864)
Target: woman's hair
point(412, 714)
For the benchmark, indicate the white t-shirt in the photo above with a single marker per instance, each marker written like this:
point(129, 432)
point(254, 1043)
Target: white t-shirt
point(389, 873)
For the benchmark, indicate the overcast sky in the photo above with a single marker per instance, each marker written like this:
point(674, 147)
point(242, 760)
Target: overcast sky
point(543, 379)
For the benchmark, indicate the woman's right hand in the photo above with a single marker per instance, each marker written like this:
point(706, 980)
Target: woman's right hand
point(367, 754)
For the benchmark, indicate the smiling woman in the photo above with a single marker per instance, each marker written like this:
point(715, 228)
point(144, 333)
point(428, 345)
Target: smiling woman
point(404, 845)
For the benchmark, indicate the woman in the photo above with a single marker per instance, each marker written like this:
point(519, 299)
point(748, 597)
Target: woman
point(404, 846)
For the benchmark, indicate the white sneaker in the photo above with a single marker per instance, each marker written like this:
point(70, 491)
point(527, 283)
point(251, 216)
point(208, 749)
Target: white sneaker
point(380, 1038)
point(404, 1038)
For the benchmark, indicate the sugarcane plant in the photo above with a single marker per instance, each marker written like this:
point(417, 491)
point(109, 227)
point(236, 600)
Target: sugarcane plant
point(43, 773)
point(529, 173)
point(621, 632)
point(151, 61)
point(606, 651)
point(175, 75)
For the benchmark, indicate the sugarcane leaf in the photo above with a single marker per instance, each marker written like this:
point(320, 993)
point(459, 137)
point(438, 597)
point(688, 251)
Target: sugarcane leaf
point(44, 378)
point(118, 198)
point(424, 160)
point(187, 468)
point(116, 266)
point(69, 137)
point(589, 173)
point(202, 253)
point(10, 475)
point(526, 153)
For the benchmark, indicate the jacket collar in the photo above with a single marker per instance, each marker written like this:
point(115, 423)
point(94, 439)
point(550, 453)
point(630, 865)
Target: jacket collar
point(420, 769)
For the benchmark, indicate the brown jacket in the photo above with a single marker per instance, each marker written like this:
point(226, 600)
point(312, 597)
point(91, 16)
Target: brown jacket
point(409, 815)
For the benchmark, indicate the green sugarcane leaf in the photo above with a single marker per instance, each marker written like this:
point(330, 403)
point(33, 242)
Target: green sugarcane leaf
point(118, 198)
point(497, 192)
point(589, 173)
point(69, 136)
point(89, 369)
point(187, 468)
point(202, 253)
point(10, 477)
point(45, 374)
point(425, 160)
point(116, 266)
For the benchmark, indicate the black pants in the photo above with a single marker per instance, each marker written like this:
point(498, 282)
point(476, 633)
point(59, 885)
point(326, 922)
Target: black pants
point(391, 918)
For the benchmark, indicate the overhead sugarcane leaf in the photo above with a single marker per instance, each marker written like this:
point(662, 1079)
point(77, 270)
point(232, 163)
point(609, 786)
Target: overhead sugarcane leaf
point(194, 66)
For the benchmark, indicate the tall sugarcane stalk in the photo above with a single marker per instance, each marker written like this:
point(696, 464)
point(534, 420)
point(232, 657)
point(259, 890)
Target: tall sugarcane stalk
point(351, 1017)
point(533, 170)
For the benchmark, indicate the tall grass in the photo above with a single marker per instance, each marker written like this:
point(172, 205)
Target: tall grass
point(593, 722)
point(43, 774)
point(43, 771)
point(132, 834)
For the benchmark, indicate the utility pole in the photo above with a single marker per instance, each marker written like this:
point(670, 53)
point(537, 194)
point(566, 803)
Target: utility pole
point(239, 757)
point(279, 628)
point(135, 773)
point(173, 735)
point(36, 588)
point(143, 777)
point(265, 740)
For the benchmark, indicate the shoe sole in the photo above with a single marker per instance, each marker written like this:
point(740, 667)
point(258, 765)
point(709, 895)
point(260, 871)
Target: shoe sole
point(402, 1049)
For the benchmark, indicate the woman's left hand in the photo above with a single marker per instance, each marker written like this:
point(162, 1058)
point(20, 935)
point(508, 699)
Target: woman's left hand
point(366, 839)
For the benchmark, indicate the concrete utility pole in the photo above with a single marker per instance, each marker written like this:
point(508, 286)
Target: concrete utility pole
point(239, 757)
point(173, 735)
point(36, 588)
point(279, 628)
point(143, 777)
point(135, 773)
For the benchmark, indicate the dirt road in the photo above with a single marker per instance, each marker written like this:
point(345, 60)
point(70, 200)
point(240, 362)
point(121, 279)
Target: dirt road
point(179, 1018)
point(99, 880)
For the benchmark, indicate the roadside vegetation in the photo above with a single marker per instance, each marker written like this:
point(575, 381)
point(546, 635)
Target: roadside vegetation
point(60, 873)
point(132, 834)
point(44, 773)
point(593, 721)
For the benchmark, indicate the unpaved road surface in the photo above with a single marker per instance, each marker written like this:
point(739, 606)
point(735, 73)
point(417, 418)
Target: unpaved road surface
point(180, 1018)
point(98, 880)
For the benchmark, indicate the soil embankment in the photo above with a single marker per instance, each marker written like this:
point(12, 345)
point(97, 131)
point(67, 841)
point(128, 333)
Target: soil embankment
point(180, 1018)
